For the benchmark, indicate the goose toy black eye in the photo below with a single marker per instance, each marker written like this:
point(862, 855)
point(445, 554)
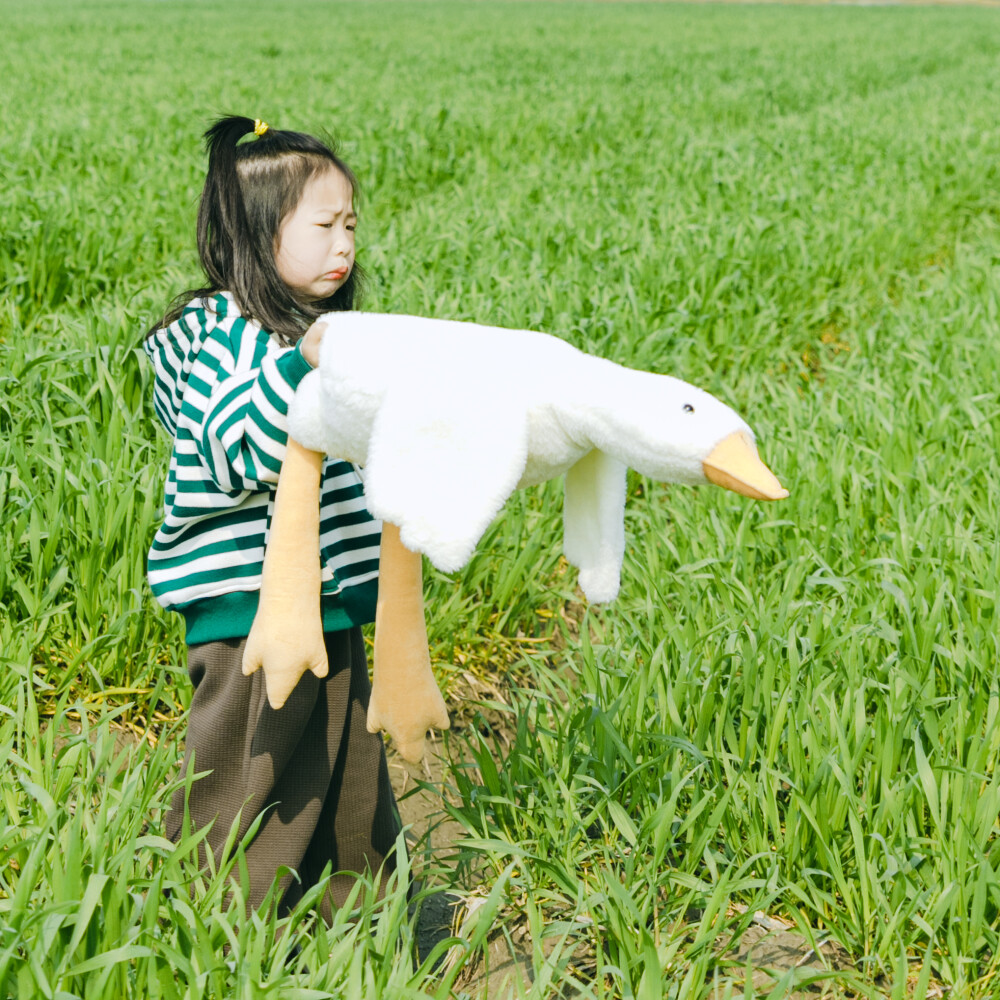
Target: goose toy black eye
point(688, 408)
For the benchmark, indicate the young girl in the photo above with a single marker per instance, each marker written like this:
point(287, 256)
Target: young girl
point(276, 240)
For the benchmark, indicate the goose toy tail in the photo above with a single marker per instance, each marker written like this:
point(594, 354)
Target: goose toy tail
point(735, 465)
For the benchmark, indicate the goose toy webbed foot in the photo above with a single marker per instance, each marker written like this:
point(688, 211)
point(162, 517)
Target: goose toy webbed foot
point(447, 419)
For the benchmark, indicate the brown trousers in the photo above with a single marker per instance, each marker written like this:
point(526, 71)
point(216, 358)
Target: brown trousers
point(311, 767)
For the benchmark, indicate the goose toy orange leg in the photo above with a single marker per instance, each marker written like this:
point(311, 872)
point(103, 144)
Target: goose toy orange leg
point(286, 638)
point(287, 635)
point(405, 700)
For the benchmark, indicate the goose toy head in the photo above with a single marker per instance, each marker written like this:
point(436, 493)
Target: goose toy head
point(674, 432)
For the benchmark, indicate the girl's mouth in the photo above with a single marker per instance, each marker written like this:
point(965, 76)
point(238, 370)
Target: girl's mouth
point(340, 272)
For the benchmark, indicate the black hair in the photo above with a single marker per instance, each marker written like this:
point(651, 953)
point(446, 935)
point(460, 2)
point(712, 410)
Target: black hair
point(250, 189)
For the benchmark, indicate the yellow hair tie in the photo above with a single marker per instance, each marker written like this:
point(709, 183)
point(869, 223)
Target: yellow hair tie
point(259, 127)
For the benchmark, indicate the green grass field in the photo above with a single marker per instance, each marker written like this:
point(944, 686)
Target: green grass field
point(791, 708)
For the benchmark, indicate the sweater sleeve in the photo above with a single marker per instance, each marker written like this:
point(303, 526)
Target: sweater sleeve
point(172, 350)
point(244, 432)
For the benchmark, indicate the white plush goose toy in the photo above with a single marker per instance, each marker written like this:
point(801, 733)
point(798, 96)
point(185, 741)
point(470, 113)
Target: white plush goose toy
point(447, 420)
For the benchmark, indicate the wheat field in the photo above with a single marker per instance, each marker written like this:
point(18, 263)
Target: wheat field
point(791, 708)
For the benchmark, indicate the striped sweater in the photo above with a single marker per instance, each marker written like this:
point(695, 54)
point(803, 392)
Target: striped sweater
point(222, 390)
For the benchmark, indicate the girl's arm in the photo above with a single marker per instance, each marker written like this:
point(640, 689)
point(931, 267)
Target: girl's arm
point(221, 386)
point(244, 430)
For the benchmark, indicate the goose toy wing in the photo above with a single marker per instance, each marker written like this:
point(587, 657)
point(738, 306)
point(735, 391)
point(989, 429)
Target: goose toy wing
point(442, 467)
point(594, 524)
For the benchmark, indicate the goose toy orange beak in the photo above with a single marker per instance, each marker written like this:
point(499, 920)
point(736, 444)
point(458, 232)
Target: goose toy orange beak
point(735, 465)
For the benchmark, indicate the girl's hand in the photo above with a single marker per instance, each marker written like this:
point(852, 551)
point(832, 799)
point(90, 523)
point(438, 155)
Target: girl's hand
point(310, 343)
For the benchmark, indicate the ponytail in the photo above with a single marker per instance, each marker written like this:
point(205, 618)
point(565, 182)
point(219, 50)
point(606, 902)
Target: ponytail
point(222, 223)
point(249, 190)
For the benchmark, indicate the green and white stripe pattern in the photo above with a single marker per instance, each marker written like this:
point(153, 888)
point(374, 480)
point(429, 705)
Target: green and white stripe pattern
point(223, 387)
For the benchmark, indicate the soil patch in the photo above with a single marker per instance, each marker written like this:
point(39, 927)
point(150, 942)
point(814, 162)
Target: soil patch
point(771, 951)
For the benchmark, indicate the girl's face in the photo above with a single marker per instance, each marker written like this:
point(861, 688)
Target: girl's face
point(314, 250)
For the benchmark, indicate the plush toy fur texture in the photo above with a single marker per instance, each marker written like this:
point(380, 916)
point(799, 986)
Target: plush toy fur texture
point(448, 419)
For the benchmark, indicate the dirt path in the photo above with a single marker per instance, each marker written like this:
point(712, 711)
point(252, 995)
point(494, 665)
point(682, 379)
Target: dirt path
point(770, 947)
point(506, 971)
